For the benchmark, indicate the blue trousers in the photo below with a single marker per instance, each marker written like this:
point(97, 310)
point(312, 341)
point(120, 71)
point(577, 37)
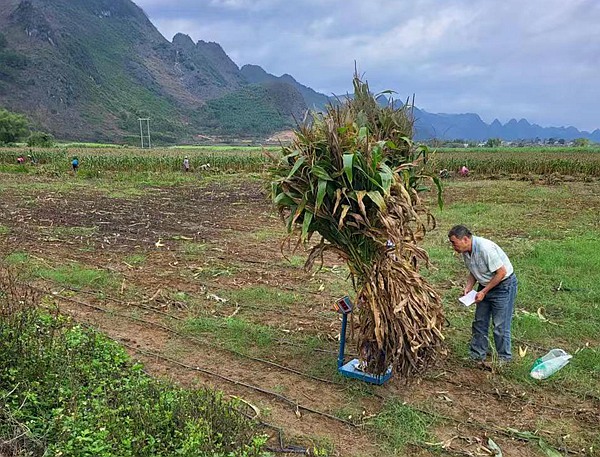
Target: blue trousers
point(499, 304)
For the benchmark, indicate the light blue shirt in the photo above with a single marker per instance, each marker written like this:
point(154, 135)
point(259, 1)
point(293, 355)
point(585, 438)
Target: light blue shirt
point(485, 259)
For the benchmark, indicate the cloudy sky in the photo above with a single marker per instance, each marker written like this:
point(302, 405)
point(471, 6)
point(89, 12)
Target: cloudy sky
point(534, 59)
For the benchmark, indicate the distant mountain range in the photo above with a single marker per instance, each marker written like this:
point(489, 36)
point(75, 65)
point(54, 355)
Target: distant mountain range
point(471, 127)
point(89, 69)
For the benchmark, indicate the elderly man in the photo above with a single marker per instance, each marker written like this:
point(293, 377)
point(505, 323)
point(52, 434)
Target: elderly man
point(489, 266)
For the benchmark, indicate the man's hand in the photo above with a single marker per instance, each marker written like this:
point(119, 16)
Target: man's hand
point(480, 296)
point(470, 284)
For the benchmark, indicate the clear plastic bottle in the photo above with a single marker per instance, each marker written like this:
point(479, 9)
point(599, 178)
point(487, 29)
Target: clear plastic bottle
point(546, 366)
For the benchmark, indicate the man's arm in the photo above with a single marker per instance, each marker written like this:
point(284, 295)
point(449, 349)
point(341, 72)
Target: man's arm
point(497, 279)
point(470, 283)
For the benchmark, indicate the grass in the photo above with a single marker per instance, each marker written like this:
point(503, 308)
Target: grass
point(76, 275)
point(551, 236)
point(17, 258)
point(399, 425)
point(233, 333)
point(4, 230)
point(268, 234)
point(263, 295)
point(136, 260)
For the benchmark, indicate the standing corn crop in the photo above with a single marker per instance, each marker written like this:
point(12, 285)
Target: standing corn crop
point(353, 175)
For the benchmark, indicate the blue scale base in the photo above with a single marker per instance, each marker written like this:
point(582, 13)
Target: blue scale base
point(349, 370)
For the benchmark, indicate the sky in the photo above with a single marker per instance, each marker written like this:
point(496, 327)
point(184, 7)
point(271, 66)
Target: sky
point(534, 59)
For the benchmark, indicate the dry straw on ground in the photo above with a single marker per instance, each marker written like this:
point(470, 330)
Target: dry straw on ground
point(353, 175)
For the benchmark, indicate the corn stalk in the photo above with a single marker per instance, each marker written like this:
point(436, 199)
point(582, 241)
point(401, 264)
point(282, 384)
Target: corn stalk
point(353, 175)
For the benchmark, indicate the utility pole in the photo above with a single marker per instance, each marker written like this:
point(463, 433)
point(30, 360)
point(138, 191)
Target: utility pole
point(145, 136)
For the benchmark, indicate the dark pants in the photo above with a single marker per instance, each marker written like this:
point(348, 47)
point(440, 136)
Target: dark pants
point(499, 304)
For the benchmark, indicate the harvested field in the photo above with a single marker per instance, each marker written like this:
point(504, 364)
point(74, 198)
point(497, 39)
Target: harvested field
point(191, 279)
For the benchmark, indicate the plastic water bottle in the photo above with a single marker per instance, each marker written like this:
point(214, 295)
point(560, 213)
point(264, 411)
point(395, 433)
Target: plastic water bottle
point(546, 366)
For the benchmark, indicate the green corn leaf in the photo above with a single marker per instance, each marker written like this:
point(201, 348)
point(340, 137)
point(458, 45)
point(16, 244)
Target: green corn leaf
point(348, 165)
point(376, 156)
point(283, 199)
point(548, 450)
point(308, 216)
point(363, 132)
point(320, 173)
point(440, 199)
point(322, 188)
point(378, 199)
point(387, 175)
point(296, 166)
point(362, 121)
point(407, 140)
point(299, 210)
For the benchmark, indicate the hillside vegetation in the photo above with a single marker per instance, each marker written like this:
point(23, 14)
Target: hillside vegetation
point(88, 70)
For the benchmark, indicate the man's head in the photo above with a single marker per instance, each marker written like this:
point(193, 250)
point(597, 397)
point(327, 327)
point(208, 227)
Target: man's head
point(461, 238)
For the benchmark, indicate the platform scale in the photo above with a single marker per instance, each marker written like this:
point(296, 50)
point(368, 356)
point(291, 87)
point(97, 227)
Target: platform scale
point(350, 370)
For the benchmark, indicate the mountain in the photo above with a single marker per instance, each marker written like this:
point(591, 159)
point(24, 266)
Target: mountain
point(471, 127)
point(314, 100)
point(88, 69)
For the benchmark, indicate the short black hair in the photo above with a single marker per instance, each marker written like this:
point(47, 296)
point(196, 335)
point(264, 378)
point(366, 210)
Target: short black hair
point(459, 231)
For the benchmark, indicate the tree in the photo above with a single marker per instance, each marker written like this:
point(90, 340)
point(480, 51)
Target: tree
point(493, 142)
point(13, 126)
point(40, 139)
point(581, 142)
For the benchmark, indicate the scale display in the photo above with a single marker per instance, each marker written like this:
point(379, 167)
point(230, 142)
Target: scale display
point(344, 305)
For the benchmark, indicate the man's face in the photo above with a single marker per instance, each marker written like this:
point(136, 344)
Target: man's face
point(461, 245)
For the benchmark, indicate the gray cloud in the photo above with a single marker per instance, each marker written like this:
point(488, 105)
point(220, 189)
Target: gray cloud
point(535, 59)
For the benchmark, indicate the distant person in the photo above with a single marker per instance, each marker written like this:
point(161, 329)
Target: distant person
point(186, 164)
point(464, 171)
point(489, 266)
point(75, 164)
point(32, 159)
point(20, 160)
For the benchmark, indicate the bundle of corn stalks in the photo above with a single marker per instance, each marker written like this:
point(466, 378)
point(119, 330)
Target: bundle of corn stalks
point(353, 175)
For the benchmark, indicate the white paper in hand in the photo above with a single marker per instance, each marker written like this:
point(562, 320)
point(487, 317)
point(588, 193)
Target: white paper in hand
point(468, 299)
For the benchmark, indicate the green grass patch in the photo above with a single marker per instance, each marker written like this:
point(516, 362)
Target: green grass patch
point(553, 242)
point(399, 425)
point(263, 295)
point(135, 260)
point(4, 230)
point(17, 258)
point(75, 275)
point(268, 234)
point(233, 333)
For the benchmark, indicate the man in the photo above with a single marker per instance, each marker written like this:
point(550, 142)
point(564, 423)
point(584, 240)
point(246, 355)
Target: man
point(489, 266)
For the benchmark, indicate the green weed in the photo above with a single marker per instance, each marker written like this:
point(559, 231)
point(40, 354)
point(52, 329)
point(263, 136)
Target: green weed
point(75, 275)
point(234, 333)
point(398, 425)
point(136, 260)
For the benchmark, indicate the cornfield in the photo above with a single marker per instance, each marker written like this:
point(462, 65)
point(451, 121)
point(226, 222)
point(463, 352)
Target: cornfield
point(353, 175)
point(482, 161)
point(540, 161)
point(93, 161)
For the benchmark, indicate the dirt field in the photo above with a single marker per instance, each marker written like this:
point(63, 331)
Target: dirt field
point(193, 281)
